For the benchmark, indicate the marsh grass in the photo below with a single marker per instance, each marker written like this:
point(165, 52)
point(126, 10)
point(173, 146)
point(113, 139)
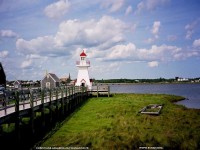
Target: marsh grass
point(114, 123)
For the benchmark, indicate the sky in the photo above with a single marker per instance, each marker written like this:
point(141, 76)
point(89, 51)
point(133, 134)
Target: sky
point(132, 39)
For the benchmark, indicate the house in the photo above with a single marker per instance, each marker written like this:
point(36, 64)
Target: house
point(2, 76)
point(50, 81)
point(17, 84)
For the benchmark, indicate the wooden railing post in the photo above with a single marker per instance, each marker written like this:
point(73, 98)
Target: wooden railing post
point(73, 97)
point(50, 106)
point(97, 91)
point(70, 96)
point(62, 103)
point(79, 94)
point(23, 98)
point(5, 104)
point(17, 119)
point(32, 116)
point(67, 100)
point(43, 108)
point(57, 104)
point(108, 91)
point(82, 93)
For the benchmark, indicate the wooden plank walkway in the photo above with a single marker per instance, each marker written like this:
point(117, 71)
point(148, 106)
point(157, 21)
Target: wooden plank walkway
point(37, 101)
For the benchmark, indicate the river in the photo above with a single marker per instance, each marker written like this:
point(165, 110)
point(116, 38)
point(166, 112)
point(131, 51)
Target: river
point(190, 91)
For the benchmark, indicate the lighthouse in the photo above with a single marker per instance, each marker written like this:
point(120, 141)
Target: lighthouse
point(83, 75)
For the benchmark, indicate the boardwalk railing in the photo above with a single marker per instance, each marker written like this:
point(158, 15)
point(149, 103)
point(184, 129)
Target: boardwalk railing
point(22, 101)
point(100, 90)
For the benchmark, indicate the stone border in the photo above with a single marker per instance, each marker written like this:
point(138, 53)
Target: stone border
point(146, 109)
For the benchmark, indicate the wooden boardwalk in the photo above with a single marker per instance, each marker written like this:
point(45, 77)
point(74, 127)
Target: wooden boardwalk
point(43, 108)
point(22, 101)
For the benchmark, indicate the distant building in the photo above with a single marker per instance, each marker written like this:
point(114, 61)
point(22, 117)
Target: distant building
point(72, 82)
point(65, 80)
point(182, 79)
point(17, 84)
point(50, 81)
point(2, 76)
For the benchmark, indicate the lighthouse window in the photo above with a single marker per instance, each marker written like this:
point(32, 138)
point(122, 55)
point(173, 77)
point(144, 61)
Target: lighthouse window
point(82, 58)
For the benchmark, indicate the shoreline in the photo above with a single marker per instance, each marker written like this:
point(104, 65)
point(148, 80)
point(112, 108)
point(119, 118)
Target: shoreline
point(147, 83)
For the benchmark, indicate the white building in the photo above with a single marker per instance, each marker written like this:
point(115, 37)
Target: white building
point(182, 79)
point(83, 75)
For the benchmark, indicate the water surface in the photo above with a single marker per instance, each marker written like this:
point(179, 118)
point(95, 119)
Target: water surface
point(190, 91)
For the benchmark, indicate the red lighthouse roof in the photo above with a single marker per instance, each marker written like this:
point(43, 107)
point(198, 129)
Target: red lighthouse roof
point(83, 53)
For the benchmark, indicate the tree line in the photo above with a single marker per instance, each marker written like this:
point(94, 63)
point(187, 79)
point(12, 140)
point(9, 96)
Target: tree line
point(124, 80)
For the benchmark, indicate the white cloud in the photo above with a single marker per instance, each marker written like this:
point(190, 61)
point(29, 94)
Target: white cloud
point(162, 53)
point(196, 43)
point(102, 34)
point(156, 27)
point(155, 31)
point(189, 34)
point(57, 9)
point(90, 33)
point(149, 40)
point(121, 52)
point(113, 5)
point(98, 70)
point(36, 46)
point(35, 56)
point(150, 5)
point(171, 37)
point(26, 64)
point(128, 10)
point(185, 54)
point(190, 28)
point(129, 52)
point(8, 33)
point(153, 64)
point(4, 54)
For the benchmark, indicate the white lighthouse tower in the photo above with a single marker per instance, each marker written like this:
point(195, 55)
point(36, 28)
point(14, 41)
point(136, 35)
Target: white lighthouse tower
point(83, 75)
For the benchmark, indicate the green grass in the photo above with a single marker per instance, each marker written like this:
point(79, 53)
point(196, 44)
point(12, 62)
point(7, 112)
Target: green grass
point(114, 123)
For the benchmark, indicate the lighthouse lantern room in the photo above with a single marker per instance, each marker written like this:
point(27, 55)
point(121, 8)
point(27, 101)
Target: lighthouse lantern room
point(83, 75)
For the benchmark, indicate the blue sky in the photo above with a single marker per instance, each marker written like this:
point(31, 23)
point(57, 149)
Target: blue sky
point(122, 38)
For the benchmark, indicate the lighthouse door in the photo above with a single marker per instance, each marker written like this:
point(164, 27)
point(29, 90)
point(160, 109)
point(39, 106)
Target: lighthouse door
point(83, 82)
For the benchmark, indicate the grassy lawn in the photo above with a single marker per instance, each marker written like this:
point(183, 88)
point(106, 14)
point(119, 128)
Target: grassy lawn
point(114, 123)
